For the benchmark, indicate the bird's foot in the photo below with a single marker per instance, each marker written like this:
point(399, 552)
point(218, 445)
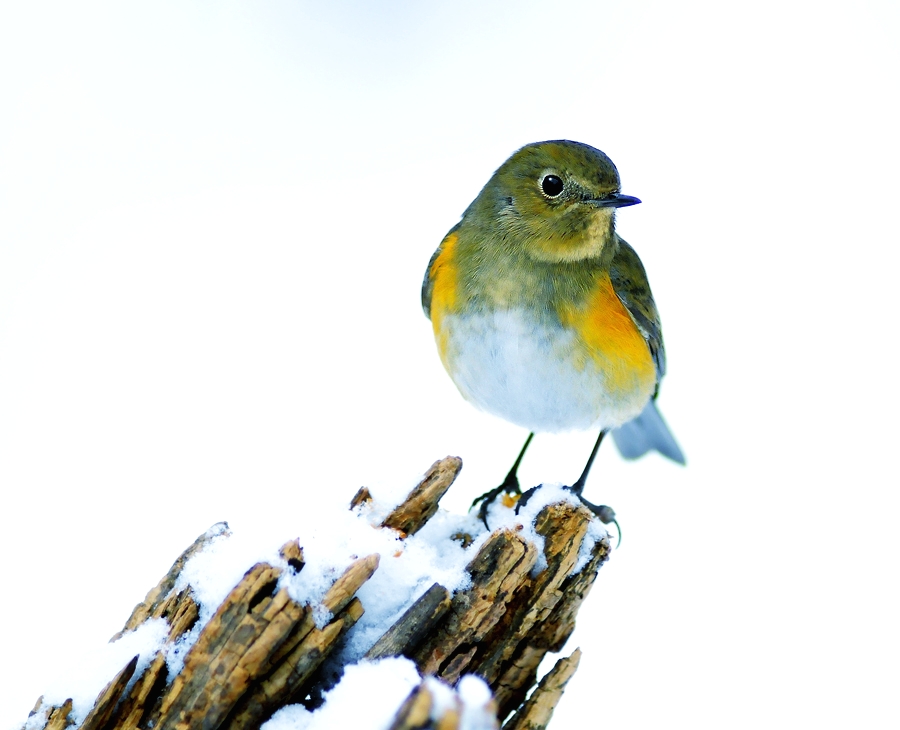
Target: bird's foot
point(607, 515)
point(523, 500)
point(510, 486)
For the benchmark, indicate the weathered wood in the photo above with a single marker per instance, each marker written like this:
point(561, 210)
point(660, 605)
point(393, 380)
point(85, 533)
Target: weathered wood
point(244, 641)
point(100, 714)
point(502, 564)
point(504, 624)
point(293, 672)
point(362, 496)
point(414, 625)
point(422, 502)
point(535, 714)
point(415, 712)
point(530, 628)
point(208, 683)
point(148, 607)
point(144, 698)
point(261, 650)
point(420, 712)
point(293, 554)
point(58, 718)
point(145, 695)
point(320, 643)
point(349, 583)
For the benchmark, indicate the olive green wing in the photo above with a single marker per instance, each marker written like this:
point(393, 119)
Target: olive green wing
point(428, 281)
point(630, 283)
point(648, 431)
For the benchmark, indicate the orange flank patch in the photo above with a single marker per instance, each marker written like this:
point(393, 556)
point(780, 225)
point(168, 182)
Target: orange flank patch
point(610, 338)
point(444, 277)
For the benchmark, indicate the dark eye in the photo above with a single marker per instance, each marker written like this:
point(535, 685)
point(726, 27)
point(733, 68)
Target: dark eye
point(551, 185)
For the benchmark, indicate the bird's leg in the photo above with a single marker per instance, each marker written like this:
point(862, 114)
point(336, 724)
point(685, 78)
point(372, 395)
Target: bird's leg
point(578, 486)
point(510, 484)
point(605, 514)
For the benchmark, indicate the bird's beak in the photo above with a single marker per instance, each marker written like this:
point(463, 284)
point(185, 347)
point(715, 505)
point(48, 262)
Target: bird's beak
point(613, 200)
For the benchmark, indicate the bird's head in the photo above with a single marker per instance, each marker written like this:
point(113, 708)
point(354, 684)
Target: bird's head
point(556, 201)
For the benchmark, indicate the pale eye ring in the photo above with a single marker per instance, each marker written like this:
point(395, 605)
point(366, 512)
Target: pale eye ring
point(551, 185)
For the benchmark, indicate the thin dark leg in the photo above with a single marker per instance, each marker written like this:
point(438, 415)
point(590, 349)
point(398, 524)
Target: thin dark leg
point(512, 479)
point(578, 487)
point(510, 484)
point(605, 514)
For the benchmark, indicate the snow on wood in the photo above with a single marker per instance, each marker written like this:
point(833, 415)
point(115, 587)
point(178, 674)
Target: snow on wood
point(261, 650)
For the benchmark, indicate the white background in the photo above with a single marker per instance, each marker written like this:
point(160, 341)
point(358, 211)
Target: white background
point(214, 220)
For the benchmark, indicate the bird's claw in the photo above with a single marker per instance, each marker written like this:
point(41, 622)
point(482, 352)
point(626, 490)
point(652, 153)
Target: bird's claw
point(607, 515)
point(523, 500)
point(509, 486)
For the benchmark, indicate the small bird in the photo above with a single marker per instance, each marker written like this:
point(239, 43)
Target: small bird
point(542, 313)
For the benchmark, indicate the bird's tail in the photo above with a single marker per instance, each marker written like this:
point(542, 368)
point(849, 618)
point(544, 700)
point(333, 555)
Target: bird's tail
point(647, 431)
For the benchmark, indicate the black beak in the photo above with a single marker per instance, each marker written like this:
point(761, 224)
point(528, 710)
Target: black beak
point(613, 200)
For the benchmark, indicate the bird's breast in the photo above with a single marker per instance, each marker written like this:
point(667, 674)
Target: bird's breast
point(608, 337)
point(585, 368)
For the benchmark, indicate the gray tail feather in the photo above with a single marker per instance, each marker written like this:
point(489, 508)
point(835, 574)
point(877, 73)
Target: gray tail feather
point(647, 431)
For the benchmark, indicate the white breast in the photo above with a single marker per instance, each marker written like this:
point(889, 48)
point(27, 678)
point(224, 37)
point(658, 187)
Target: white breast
point(532, 374)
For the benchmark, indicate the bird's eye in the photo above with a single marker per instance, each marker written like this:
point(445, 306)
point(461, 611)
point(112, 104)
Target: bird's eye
point(551, 185)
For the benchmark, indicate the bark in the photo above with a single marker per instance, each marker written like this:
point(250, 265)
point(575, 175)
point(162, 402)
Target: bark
point(261, 650)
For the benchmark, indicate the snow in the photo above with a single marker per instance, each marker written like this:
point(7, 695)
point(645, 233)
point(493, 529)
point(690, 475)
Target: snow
point(408, 567)
point(595, 532)
point(370, 692)
point(291, 717)
point(502, 516)
point(368, 696)
point(95, 671)
point(477, 712)
point(443, 697)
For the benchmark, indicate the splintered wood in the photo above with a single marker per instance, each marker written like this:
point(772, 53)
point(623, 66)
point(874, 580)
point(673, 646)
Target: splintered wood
point(261, 650)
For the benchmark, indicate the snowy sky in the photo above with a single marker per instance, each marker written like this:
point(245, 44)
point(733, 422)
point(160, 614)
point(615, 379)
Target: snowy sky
point(214, 220)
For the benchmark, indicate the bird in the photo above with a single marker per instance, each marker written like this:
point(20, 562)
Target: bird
point(543, 315)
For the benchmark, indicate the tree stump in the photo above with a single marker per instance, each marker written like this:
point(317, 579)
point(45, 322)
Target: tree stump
point(261, 650)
